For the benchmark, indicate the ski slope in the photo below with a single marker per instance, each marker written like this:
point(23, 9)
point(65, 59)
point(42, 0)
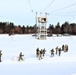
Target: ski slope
point(11, 46)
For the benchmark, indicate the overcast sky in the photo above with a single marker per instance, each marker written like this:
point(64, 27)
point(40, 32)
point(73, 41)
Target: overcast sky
point(23, 12)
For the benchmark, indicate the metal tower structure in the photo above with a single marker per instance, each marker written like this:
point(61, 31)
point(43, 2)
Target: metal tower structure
point(42, 30)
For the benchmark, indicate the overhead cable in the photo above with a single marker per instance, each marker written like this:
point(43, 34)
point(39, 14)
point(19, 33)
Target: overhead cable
point(30, 5)
point(64, 7)
point(48, 6)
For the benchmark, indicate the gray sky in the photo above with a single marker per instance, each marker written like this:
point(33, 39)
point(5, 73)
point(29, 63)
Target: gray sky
point(23, 12)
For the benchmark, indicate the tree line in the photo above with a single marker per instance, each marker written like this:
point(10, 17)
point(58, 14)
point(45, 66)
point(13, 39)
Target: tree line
point(11, 28)
point(65, 28)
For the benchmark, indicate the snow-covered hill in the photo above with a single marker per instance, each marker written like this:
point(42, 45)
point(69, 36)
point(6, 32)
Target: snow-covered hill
point(11, 46)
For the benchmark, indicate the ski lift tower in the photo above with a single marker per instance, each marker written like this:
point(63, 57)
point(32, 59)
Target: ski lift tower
point(42, 30)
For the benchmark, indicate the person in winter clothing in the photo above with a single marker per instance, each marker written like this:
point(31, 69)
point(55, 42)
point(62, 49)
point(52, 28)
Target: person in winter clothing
point(41, 53)
point(52, 53)
point(44, 52)
point(59, 51)
point(63, 47)
point(0, 56)
point(66, 48)
point(37, 52)
point(56, 49)
point(20, 56)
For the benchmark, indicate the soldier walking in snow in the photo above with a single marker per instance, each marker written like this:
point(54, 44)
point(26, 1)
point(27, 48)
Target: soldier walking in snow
point(20, 56)
point(41, 52)
point(0, 56)
point(44, 52)
point(63, 47)
point(66, 48)
point(37, 52)
point(59, 51)
point(56, 49)
point(52, 53)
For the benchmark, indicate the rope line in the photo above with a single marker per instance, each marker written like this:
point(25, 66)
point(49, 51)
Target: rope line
point(65, 7)
point(48, 5)
point(30, 5)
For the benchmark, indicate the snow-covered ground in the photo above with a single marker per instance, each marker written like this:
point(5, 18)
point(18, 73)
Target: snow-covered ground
point(11, 46)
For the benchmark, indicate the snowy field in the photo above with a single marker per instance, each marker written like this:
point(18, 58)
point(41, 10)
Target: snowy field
point(11, 46)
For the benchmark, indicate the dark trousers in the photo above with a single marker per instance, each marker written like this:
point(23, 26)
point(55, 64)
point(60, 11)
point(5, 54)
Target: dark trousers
point(20, 58)
point(0, 58)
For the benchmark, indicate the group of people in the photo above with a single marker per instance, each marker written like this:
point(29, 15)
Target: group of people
point(58, 50)
point(40, 53)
